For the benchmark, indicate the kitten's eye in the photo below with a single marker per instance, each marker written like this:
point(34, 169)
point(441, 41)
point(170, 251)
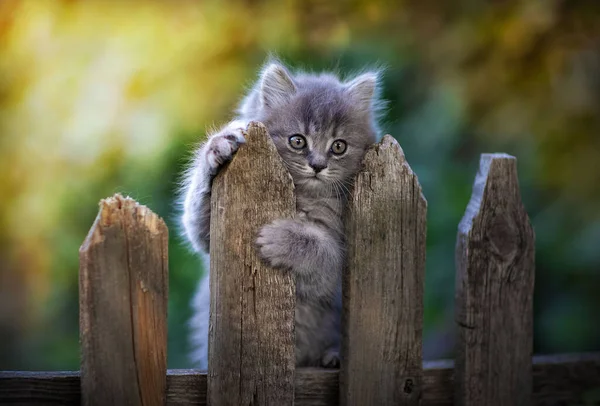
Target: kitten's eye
point(297, 141)
point(339, 147)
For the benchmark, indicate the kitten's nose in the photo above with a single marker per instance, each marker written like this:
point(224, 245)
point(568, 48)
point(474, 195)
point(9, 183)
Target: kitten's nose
point(317, 167)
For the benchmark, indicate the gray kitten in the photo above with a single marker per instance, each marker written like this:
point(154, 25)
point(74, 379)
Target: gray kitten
point(321, 127)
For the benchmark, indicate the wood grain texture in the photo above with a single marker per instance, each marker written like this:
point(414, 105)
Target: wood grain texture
point(383, 283)
point(557, 380)
point(251, 337)
point(123, 289)
point(494, 290)
point(40, 388)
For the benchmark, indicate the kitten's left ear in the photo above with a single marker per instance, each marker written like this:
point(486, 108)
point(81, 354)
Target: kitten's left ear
point(362, 90)
point(276, 85)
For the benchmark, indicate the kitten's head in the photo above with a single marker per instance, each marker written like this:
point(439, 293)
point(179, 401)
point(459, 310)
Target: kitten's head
point(320, 125)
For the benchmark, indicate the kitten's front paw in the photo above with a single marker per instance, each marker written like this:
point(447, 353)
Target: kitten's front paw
point(222, 146)
point(274, 243)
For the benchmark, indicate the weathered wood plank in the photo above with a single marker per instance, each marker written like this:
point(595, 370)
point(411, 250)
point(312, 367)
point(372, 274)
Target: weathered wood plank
point(123, 287)
point(494, 290)
point(40, 388)
point(564, 379)
point(186, 387)
point(317, 387)
point(557, 380)
point(438, 385)
point(251, 339)
point(383, 283)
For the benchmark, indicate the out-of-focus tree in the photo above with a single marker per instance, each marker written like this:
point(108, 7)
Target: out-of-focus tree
point(527, 70)
point(98, 97)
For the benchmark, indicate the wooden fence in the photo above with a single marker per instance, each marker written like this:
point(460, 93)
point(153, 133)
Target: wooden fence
point(124, 285)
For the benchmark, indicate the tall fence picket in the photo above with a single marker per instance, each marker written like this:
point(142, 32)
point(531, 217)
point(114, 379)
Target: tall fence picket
point(383, 284)
point(123, 287)
point(251, 338)
point(494, 290)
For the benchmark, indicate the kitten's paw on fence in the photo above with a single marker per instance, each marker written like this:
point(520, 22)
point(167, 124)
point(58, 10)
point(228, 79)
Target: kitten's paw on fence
point(275, 243)
point(222, 146)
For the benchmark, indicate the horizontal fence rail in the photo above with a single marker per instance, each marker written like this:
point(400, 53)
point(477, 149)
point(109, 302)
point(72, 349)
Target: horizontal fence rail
point(557, 380)
point(124, 288)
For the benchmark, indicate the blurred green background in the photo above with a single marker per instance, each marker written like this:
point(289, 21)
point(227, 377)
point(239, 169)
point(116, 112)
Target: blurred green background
point(98, 97)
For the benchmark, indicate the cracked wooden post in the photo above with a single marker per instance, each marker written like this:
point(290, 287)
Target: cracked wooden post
point(383, 284)
point(123, 287)
point(251, 337)
point(494, 290)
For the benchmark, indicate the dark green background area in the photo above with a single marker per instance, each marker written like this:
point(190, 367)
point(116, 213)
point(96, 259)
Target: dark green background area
point(479, 77)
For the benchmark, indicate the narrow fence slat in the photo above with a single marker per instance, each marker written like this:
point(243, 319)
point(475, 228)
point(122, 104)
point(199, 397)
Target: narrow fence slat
point(494, 290)
point(563, 379)
point(123, 287)
point(251, 339)
point(383, 284)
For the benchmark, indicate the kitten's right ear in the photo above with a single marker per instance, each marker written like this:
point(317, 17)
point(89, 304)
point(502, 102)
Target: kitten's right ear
point(362, 90)
point(276, 85)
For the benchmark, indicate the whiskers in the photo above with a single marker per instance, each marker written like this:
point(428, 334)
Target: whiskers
point(334, 187)
point(325, 184)
point(341, 187)
point(298, 169)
